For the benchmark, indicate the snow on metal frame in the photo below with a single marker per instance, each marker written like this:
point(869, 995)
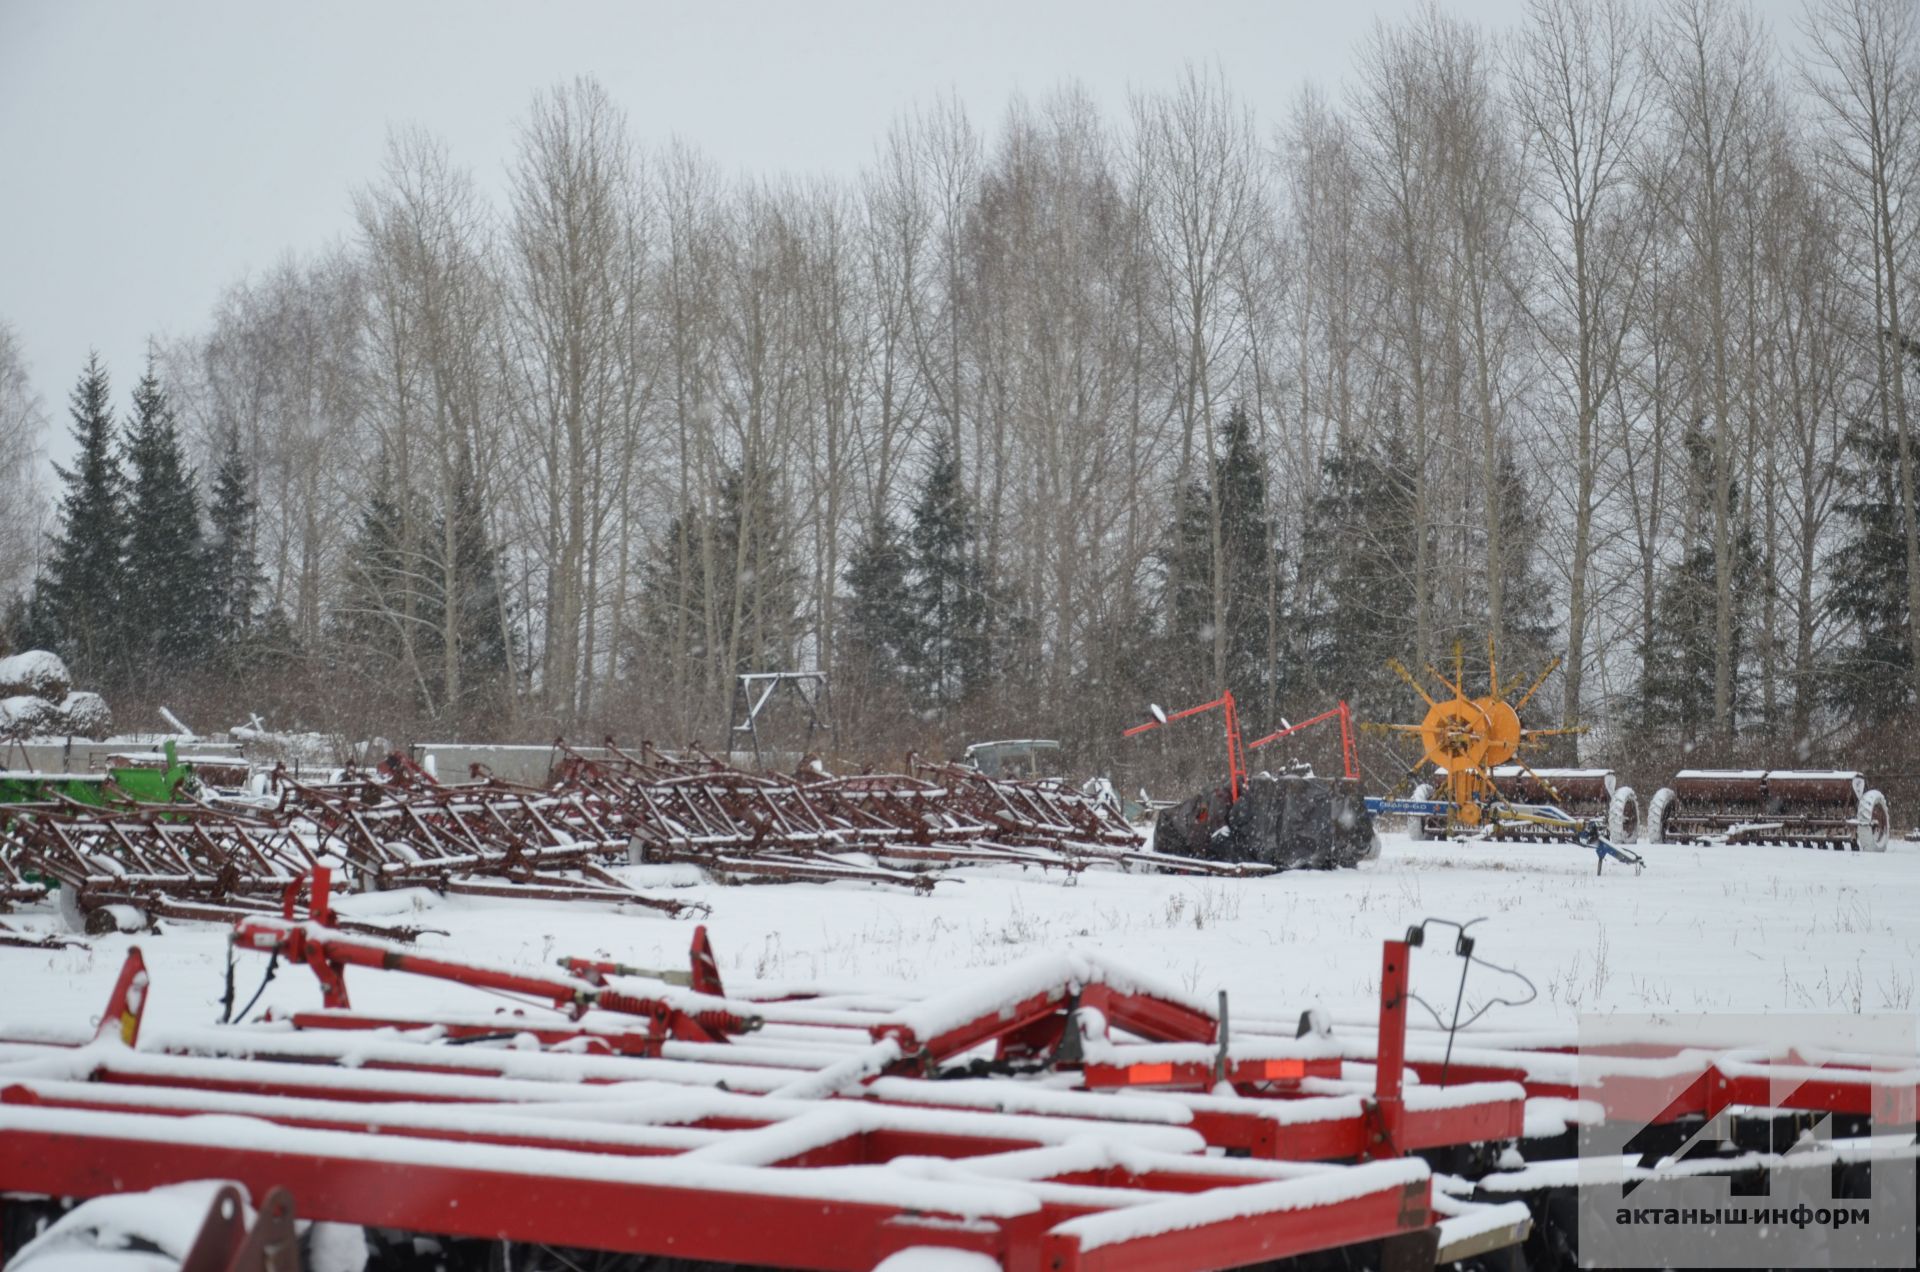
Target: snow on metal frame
point(1072, 1133)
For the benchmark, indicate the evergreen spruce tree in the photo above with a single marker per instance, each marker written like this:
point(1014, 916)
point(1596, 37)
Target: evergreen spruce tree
point(755, 568)
point(485, 650)
point(168, 597)
point(881, 640)
point(953, 600)
point(751, 591)
point(1248, 566)
point(1868, 592)
point(1187, 659)
point(1675, 695)
point(391, 623)
point(380, 619)
point(233, 570)
point(673, 597)
point(1527, 593)
point(77, 606)
point(1353, 607)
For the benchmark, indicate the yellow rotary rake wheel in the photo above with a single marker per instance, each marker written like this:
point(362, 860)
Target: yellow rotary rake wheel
point(1503, 732)
point(1456, 734)
point(1466, 738)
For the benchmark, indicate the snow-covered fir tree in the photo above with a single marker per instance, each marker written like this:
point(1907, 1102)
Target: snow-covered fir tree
point(78, 603)
point(168, 595)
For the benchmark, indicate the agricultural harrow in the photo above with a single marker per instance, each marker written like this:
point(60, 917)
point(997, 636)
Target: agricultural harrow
point(901, 829)
point(117, 862)
point(1822, 809)
point(1061, 1113)
point(186, 852)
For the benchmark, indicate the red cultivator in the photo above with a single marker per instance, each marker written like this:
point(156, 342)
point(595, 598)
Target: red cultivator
point(805, 1132)
point(128, 863)
point(1063, 1112)
point(181, 861)
point(478, 839)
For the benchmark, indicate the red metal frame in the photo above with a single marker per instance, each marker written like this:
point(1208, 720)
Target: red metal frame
point(568, 1144)
point(1236, 750)
point(576, 1199)
point(1386, 1112)
point(1349, 755)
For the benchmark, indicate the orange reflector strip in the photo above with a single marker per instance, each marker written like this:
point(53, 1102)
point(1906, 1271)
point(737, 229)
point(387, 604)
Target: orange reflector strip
point(1149, 1073)
point(1283, 1069)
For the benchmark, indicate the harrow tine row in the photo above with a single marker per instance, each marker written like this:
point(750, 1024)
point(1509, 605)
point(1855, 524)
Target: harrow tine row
point(197, 860)
point(739, 825)
point(398, 826)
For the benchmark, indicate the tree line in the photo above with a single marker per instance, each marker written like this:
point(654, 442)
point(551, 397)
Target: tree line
point(1586, 336)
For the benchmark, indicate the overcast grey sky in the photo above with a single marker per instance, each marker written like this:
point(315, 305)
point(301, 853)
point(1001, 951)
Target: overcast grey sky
point(153, 153)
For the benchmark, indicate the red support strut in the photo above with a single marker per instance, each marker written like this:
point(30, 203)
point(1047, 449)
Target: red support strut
point(1386, 1111)
point(1236, 748)
point(1349, 756)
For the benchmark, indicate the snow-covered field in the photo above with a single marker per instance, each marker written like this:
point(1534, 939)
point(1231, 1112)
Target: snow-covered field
point(1704, 929)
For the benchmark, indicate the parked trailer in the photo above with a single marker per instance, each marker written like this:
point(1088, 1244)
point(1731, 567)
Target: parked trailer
point(1812, 808)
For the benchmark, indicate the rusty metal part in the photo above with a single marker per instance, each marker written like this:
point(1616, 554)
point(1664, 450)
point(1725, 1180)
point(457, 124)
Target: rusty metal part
point(891, 828)
point(1821, 808)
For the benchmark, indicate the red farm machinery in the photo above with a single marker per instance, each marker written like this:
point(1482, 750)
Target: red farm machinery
point(1061, 1113)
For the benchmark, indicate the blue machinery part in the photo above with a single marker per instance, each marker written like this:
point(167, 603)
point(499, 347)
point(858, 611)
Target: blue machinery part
point(1586, 833)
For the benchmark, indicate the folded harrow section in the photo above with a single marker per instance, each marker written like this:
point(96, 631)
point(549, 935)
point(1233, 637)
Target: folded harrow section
point(902, 829)
point(620, 1111)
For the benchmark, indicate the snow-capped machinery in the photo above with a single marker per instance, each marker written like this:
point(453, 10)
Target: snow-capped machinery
point(1587, 795)
point(1265, 821)
point(1816, 808)
point(1480, 787)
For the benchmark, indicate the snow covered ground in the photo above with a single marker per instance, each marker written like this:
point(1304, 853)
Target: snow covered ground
point(1704, 929)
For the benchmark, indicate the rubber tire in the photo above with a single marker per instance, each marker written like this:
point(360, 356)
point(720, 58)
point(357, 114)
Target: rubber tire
point(1623, 816)
point(1873, 836)
point(1373, 848)
point(1662, 804)
point(1417, 824)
